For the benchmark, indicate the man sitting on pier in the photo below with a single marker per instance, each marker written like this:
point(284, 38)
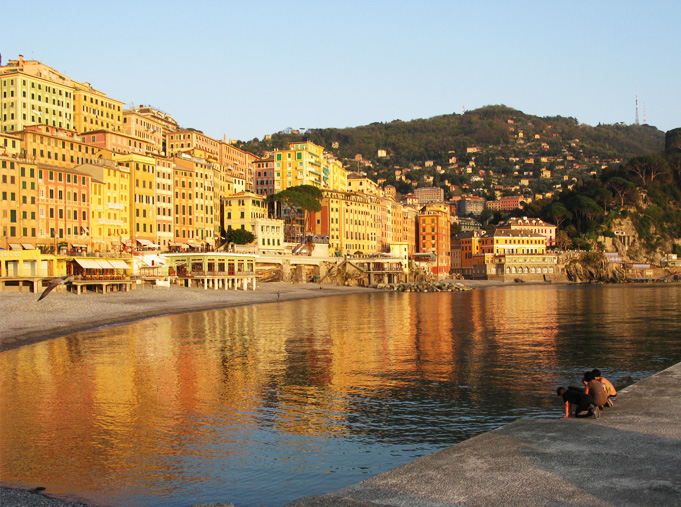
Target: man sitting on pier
point(595, 389)
point(584, 403)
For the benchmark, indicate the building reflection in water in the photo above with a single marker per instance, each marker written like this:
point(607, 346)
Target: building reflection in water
point(161, 408)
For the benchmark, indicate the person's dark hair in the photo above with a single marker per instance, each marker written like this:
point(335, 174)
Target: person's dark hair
point(560, 391)
point(596, 372)
point(588, 376)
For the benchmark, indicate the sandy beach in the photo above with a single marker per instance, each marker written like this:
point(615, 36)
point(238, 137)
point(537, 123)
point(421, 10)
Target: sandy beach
point(25, 320)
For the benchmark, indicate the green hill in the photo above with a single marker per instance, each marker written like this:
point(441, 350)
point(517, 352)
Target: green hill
point(412, 143)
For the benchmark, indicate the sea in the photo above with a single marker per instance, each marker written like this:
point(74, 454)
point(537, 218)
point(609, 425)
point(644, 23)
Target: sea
point(262, 405)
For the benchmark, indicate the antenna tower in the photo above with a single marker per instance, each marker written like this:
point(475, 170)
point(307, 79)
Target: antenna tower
point(645, 120)
point(636, 122)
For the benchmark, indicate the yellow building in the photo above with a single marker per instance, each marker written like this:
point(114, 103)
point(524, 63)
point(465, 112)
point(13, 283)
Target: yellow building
point(93, 110)
point(142, 198)
point(110, 204)
point(351, 221)
point(56, 147)
point(193, 187)
point(164, 202)
point(244, 210)
point(32, 93)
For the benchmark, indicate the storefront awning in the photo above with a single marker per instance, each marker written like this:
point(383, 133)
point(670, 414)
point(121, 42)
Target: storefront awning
point(78, 245)
point(118, 264)
point(28, 246)
point(146, 242)
point(194, 245)
point(88, 264)
point(15, 246)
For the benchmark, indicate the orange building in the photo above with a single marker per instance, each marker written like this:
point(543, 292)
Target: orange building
point(434, 236)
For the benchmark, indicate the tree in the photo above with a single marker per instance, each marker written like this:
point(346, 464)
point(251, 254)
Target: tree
point(648, 167)
point(295, 201)
point(563, 240)
point(557, 214)
point(622, 188)
point(239, 236)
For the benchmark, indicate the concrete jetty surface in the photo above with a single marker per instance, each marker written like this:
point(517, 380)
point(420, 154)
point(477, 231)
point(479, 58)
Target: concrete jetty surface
point(630, 456)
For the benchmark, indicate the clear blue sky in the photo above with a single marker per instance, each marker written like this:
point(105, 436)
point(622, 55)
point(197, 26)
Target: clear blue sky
point(246, 69)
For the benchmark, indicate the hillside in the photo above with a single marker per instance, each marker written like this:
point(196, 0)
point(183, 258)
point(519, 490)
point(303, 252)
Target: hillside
point(505, 130)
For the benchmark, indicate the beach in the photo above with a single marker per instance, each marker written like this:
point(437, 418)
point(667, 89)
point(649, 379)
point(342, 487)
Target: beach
point(26, 320)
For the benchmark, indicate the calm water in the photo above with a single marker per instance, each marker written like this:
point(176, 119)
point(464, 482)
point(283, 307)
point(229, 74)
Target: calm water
point(266, 404)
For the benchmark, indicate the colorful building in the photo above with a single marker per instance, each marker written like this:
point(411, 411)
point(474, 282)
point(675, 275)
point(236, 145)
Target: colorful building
point(533, 225)
point(142, 198)
point(32, 93)
point(264, 176)
point(434, 236)
point(93, 110)
point(243, 211)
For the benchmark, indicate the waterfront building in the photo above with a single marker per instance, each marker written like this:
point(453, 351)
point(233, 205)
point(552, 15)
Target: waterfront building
point(534, 225)
point(269, 236)
point(22, 268)
point(215, 270)
point(31, 93)
point(93, 110)
point(142, 198)
point(109, 204)
point(513, 254)
point(18, 208)
point(194, 202)
point(264, 176)
point(434, 236)
point(350, 220)
point(63, 208)
point(164, 202)
point(243, 211)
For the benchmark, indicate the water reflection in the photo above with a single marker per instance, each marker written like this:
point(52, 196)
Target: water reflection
point(261, 405)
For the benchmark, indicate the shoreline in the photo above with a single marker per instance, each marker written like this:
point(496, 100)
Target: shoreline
point(27, 321)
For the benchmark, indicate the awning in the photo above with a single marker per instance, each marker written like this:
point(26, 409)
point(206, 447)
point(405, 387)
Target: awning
point(78, 245)
point(28, 246)
point(15, 246)
point(104, 264)
point(194, 245)
point(88, 264)
point(145, 242)
point(181, 245)
point(118, 264)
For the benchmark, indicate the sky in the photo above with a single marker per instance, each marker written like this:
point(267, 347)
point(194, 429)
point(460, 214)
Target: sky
point(247, 69)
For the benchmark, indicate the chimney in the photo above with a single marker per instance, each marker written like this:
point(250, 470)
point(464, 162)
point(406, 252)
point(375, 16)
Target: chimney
point(21, 60)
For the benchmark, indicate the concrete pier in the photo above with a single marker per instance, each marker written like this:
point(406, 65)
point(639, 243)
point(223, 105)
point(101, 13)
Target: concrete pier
point(630, 456)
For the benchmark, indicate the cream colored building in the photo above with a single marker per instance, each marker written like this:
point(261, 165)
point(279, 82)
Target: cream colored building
point(145, 128)
point(31, 93)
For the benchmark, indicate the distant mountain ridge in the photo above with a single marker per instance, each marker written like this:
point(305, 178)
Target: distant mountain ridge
point(438, 138)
